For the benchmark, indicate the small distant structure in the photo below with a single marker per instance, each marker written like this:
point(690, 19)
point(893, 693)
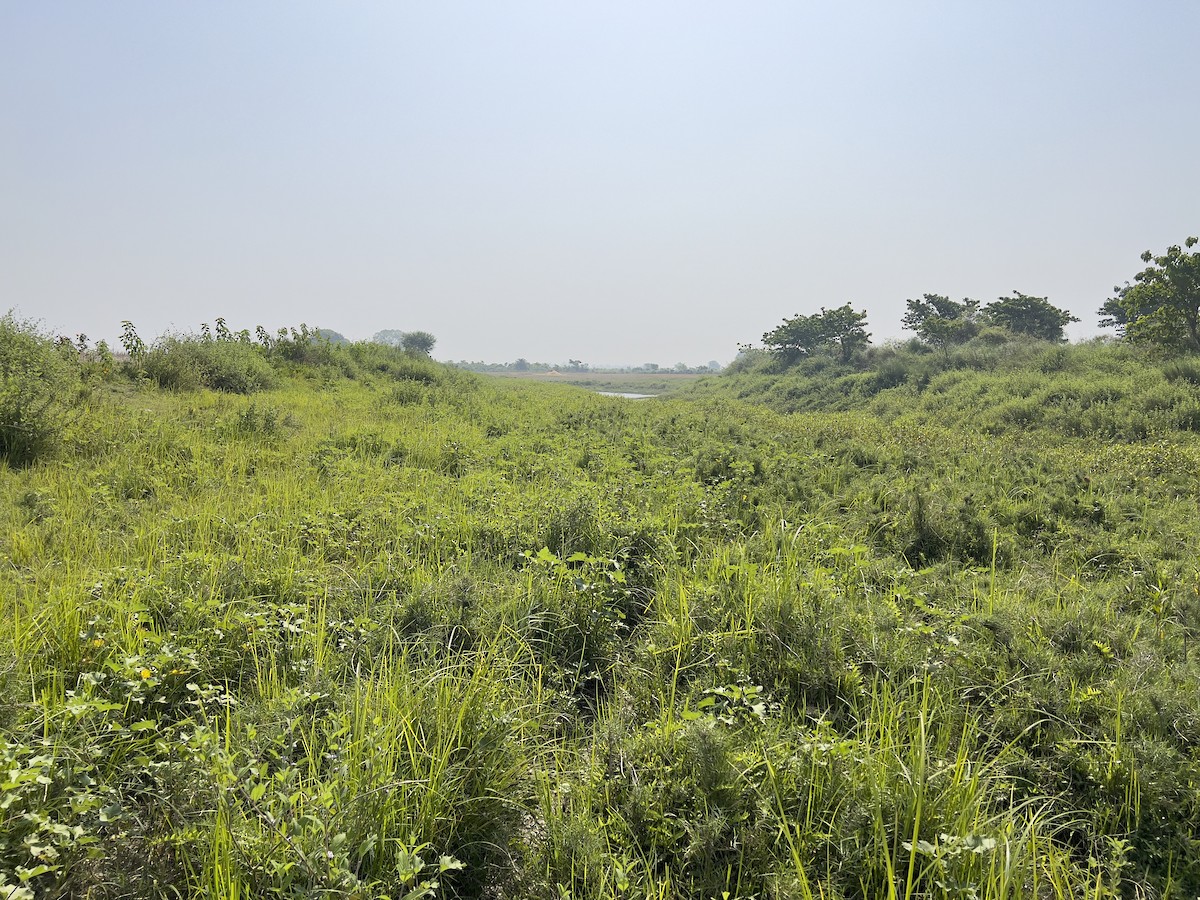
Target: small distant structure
point(554, 372)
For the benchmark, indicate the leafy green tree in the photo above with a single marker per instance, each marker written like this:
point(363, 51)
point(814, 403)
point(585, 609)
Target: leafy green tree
point(390, 336)
point(1162, 306)
point(940, 321)
point(840, 331)
point(1036, 317)
point(418, 342)
point(412, 341)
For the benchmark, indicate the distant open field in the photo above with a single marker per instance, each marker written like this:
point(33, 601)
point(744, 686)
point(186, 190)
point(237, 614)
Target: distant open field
point(626, 382)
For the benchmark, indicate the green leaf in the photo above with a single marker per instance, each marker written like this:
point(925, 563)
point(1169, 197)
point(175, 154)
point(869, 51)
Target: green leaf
point(26, 874)
point(110, 812)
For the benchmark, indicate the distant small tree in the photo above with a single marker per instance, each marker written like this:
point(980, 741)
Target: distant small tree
point(839, 331)
point(390, 336)
point(940, 321)
point(520, 365)
point(1036, 317)
point(418, 342)
point(1162, 306)
point(328, 334)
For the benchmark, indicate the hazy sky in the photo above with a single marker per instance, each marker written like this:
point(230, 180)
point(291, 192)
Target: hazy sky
point(614, 182)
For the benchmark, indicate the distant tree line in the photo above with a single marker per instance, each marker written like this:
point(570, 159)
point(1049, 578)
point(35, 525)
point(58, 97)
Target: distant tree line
point(575, 366)
point(1160, 307)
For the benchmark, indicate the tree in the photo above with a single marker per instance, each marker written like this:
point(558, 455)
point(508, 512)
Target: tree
point(1036, 317)
point(940, 321)
point(418, 342)
point(1162, 306)
point(389, 336)
point(327, 334)
point(840, 331)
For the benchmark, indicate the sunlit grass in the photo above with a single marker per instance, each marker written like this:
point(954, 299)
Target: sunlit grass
point(357, 636)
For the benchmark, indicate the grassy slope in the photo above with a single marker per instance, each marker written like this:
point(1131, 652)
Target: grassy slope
point(302, 641)
point(1100, 391)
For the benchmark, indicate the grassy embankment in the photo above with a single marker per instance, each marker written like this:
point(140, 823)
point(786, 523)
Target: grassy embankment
point(379, 623)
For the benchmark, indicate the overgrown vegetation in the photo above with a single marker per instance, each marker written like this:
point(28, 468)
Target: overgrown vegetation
point(383, 628)
point(1162, 305)
point(998, 383)
point(39, 388)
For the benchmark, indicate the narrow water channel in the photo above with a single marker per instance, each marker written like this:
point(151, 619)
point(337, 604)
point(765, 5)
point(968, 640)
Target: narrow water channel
point(626, 395)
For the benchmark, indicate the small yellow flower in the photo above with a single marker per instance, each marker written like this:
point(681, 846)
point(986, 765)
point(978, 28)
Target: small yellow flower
point(146, 673)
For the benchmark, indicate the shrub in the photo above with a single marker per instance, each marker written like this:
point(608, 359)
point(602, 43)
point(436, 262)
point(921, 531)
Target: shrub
point(39, 385)
point(235, 367)
point(186, 364)
point(173, 364)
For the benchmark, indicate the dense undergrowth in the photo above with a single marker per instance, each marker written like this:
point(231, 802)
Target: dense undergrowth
point(379, 628)
point(998, 382)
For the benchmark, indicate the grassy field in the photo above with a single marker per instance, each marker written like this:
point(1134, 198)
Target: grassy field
point(374, 627)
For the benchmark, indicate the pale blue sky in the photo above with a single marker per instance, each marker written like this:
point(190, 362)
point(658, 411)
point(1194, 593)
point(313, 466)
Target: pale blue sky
point(614, 182)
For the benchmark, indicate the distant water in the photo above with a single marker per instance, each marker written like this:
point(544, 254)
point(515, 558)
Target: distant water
point(626, 395)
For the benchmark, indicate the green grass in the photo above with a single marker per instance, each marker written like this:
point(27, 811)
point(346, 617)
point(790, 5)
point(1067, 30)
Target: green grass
point(382, 628)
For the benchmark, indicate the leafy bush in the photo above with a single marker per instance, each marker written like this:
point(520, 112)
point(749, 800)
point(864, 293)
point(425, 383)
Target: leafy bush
point(39, 386)
point(186, 364)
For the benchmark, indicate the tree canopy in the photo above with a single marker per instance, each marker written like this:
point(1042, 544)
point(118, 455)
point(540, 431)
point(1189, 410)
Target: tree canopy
point(1023, 314)
point(1162, 305)
point(941, 321)
point(413, 341)
point(840, 331)
point(328, 334)
point(389, 336)
point(418, 342)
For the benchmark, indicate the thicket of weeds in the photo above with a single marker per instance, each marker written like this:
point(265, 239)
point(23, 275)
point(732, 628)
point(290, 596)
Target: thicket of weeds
point(383, 629)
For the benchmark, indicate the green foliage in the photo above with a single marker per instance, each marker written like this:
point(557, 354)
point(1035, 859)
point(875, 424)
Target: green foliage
point(1032, 316)
point(186, 364)
point(1006, 386)
point(390, 628)
point(39, 389)
point(417, 342)
point(1162, 306)
point(334, 337)
point(420, 342)
point(940, 321)
point(840, 331)
point(389, 336)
